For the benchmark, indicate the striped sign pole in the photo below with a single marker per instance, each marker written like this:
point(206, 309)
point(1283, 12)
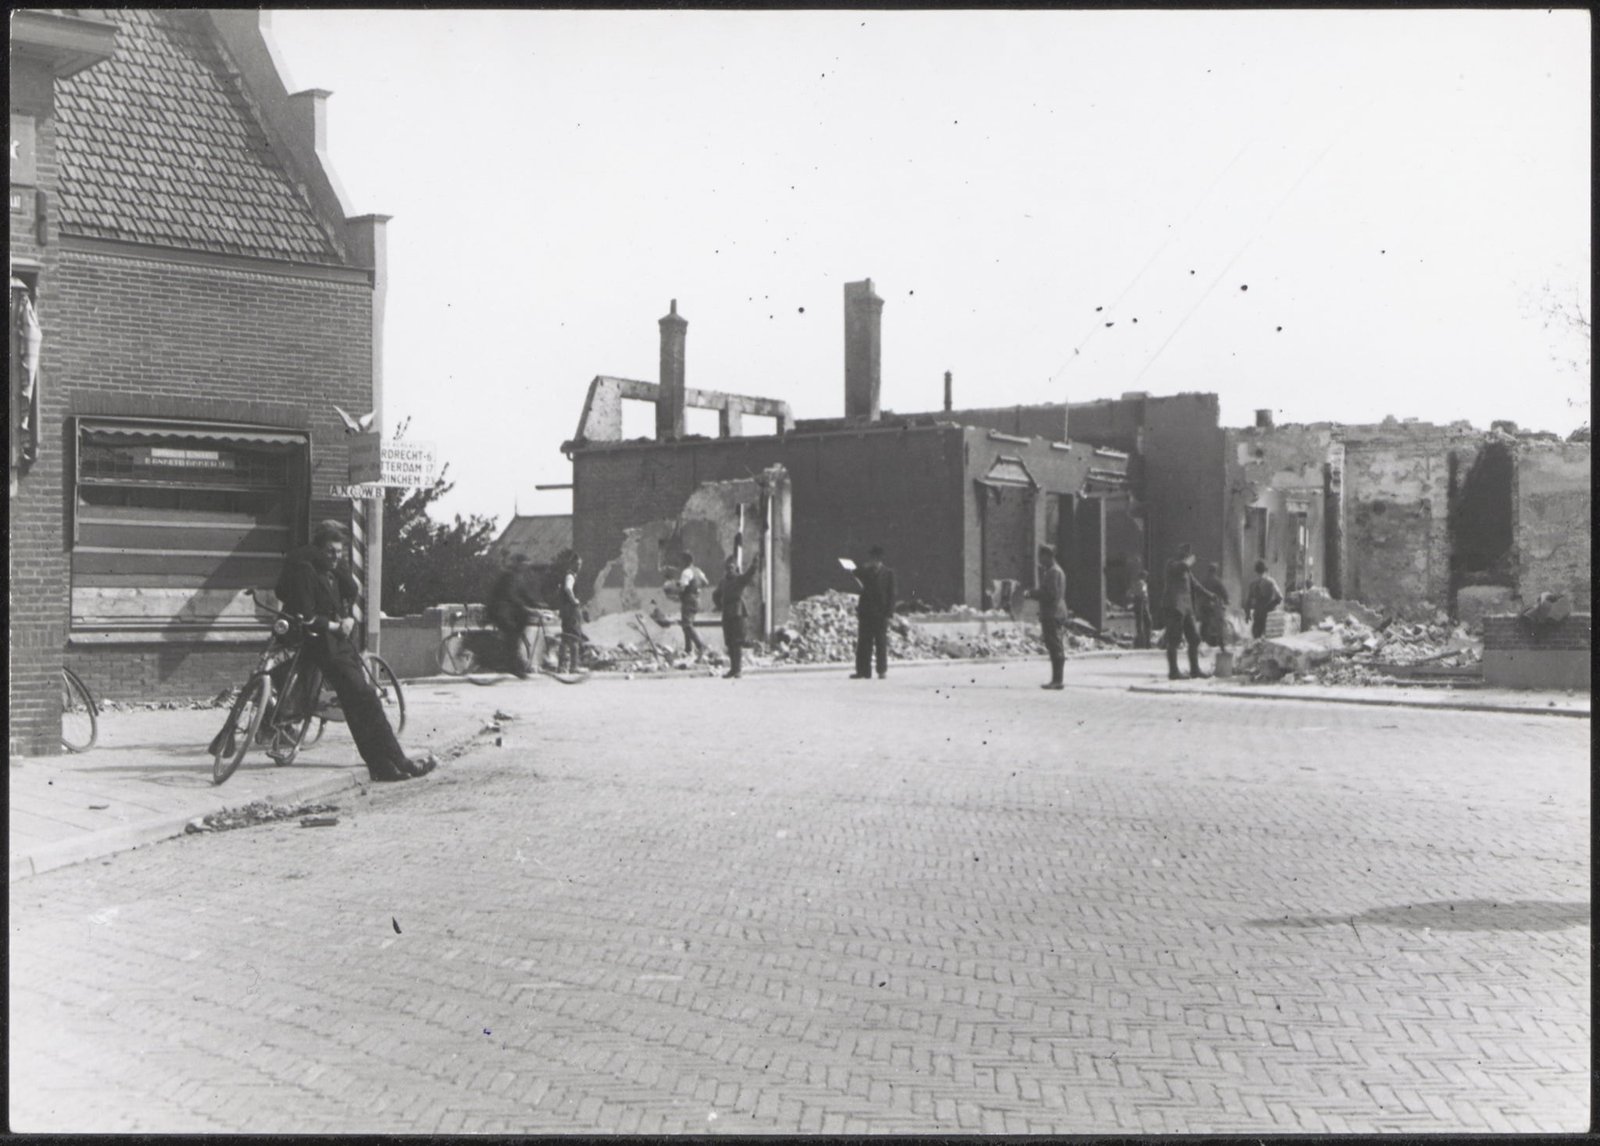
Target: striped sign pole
point(358, 561)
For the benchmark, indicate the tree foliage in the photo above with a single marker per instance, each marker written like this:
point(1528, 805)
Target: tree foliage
point(427, 562)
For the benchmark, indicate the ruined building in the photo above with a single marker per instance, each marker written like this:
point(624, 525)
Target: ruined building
point(959, 499)
point(1405, 516)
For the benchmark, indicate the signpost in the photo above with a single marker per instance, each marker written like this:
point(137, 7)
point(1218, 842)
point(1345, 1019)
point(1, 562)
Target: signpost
point(406, 465)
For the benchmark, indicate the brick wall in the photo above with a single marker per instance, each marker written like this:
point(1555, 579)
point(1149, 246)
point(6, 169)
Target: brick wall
point(135, 335)
point(1397, 491)
point(1519, 655)
point(849, 490)
point(1552, 507)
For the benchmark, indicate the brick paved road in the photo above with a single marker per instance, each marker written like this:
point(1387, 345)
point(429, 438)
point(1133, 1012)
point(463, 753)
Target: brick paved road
point(945, 902)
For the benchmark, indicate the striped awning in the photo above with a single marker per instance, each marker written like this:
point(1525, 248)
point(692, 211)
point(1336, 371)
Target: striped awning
point(147, 431)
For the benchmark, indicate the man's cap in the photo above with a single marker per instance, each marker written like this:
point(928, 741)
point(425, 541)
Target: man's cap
point(1185, 550)
point(875, 551)
point(1047, 551)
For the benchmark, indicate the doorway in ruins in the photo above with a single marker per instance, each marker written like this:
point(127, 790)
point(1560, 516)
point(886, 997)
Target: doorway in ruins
point(1077, 527)
point(1007, 540)
point(1480, 519)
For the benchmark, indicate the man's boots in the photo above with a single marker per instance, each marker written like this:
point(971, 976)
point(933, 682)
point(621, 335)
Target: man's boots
point(1172, 663)
point(1194, 664)
point(1058, 667)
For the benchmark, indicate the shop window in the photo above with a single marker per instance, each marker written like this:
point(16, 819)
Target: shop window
point(173, 521)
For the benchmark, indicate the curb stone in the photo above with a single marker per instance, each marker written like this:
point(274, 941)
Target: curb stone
point(1530, 709)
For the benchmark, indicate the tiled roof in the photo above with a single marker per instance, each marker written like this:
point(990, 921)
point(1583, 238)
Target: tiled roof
point(159, 145)
point(538, 537)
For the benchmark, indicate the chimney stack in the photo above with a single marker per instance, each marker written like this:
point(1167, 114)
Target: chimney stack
point(947, 391)
point(863, 347)
point(1263, 419)
point(670, 397)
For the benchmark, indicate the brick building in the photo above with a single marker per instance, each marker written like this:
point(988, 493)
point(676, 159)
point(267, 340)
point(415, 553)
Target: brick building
point(959, 499)
point(190, 297)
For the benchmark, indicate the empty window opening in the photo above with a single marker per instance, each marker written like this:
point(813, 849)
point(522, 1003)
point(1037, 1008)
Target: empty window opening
point(638, 419)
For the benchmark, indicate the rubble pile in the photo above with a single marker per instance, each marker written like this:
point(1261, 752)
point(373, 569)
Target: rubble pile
point(822, 630)
point(1348, 651)
point(258, 812)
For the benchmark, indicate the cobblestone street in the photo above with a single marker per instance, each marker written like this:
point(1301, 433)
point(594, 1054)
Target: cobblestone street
point(947, 901)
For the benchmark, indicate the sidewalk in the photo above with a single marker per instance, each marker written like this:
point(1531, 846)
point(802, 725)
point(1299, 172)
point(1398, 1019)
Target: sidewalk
point(150, 774)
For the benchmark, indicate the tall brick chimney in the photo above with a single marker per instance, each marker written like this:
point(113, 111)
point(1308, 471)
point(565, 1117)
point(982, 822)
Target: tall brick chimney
point(670, 398)
point(863, 346)
point(948, 396)
point(1263, 419)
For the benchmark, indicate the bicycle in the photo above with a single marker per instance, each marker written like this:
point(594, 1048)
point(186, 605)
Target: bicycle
point(80, 715)
point(476, 650)
point(285, 732)
point(383, 680)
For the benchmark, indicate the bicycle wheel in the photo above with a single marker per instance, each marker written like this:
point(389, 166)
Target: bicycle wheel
point(239, 732)
point(80, 726)
point(286, 735)
point(456, 657)
point(389, 691)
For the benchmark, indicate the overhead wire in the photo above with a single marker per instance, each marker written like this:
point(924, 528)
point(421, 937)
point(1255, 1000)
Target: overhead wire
point(1248, 243)
point(1151, 261)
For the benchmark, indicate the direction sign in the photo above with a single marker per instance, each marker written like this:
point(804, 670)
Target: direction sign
point(407, 465)
point(355, 492)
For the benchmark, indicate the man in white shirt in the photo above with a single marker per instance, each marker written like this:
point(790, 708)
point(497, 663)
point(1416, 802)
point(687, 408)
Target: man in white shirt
point(690, 581)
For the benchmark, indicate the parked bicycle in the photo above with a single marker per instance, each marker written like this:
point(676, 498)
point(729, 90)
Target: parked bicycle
point(284, 697)
point(478, 651)
point(80, 715)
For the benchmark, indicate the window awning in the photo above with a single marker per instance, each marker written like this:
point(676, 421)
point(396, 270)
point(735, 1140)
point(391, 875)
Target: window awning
point(128, 432)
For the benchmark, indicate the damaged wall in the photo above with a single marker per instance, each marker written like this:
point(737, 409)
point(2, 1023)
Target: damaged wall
point(1282, 505)
point(1397, 492)
point(707, 525)
point(1552, 520)
point(910, 488)
point(1177, 474)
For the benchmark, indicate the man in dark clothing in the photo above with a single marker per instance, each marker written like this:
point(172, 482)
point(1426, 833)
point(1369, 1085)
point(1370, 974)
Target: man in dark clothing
point(1260, 599)
point(511, 602)
point(309, 586)
point(1214, 613)
point(1177, 608)
point(1052, 597)
point(730, 599)
point(873, 610)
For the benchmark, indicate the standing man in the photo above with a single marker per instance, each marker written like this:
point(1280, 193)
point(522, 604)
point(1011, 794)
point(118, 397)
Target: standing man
point(570, 659)
point(1214, 614)
point(1260, 599)
point(873, 609)
point(1177, 608)
point(690, 582)
point(1052, 597)
point(1141, 611)
point(730, 599)
point(511, 609)
point(310, 587)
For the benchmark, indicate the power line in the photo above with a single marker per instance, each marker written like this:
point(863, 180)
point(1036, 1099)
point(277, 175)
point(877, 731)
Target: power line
point(1248, 243)
point(1151, 261)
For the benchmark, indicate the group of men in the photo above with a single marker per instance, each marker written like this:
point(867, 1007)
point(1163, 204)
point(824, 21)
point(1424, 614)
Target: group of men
point(316, 584)
point(1190, 609)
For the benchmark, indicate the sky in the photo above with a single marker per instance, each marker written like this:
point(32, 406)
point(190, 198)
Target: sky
point(1335, 215)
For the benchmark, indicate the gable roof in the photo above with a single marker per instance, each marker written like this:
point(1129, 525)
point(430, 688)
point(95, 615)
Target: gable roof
point(159, 145)
point(538, 537)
